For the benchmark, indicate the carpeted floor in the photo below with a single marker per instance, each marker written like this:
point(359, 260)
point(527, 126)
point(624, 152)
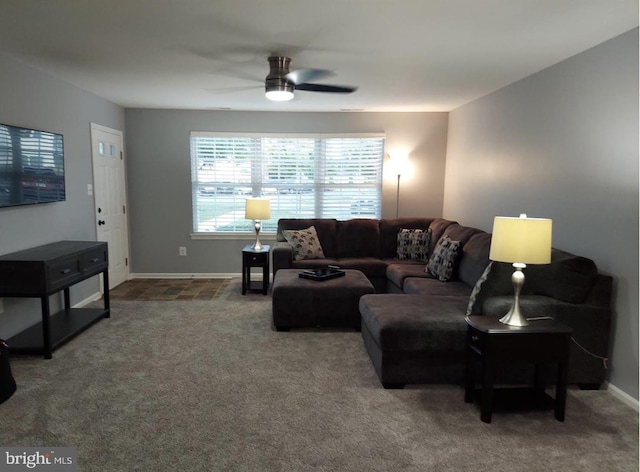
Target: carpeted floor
point(169, 289)
point(210, 386)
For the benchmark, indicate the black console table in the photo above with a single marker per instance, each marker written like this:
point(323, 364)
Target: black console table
point(44, 270)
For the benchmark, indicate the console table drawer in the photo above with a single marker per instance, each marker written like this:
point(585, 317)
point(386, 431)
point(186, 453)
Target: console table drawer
point(95, 260)
point(63, 271)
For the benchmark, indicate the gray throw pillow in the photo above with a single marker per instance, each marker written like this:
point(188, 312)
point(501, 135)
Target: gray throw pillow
point(413, 244)
point(305, 243)
point(472, 309)
point(442, 263)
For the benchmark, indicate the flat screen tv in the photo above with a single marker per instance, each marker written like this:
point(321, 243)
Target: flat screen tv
point(31, 166)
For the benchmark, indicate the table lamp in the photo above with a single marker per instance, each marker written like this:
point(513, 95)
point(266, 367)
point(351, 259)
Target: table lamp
point(520, 241)
point(257, 209)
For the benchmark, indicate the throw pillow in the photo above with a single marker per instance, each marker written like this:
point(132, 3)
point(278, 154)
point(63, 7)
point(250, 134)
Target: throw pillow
point(471, 308)
point(305, 243)
point(443, 260)
point(413, 244)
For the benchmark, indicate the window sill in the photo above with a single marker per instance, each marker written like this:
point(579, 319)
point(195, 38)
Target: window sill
point(231, 236)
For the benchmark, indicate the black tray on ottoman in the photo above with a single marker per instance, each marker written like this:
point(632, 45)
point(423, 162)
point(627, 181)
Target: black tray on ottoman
point(321, 274)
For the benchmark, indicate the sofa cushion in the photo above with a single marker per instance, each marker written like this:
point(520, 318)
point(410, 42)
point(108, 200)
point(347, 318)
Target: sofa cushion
point(399, 272)
point(443, 261)
point(326, 228)
point(433, 287)
point(358, 238)
point(389, 228)
point(415, 322)
point(474, 259)
point(305, 243)
point(568, 278)
point(369, 266)
point(413, 244)
point(438, 227)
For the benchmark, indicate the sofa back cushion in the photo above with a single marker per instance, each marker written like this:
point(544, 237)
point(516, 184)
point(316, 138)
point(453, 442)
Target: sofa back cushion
point(438, 226)
point(458, 234)
point(358, 237)
point(475, 257)
point(389, 229)
point(326, 228)
point(568, 278)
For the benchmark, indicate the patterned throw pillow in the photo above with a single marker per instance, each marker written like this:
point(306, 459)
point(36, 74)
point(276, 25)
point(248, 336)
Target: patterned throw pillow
point(305, 243)
point(471, 309)
point(413, 244)
point(443, 260)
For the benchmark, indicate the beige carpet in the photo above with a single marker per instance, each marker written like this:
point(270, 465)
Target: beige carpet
point(210, 386)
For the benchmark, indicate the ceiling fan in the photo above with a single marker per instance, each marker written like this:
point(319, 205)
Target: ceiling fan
point(280, 83)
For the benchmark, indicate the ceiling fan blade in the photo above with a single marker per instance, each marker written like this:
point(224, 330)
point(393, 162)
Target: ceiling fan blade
point(305, 75)
point(325, 88)
point(224, 90)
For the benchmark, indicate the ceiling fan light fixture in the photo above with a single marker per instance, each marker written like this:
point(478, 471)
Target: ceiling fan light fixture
point(282, 92)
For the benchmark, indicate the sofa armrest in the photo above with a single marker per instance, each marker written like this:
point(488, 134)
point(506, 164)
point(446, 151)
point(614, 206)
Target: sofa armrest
point(282, 254)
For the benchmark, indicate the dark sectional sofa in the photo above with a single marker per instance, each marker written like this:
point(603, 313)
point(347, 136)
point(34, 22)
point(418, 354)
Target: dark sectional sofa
point(414, 326)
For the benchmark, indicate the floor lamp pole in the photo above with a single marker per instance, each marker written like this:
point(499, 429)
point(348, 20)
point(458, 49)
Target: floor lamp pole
point(398, 196)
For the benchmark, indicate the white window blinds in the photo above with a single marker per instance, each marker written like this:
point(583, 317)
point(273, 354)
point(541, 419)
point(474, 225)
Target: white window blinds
point(304, 176)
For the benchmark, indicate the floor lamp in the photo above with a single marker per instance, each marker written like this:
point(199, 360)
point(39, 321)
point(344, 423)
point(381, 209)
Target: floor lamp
point(399, 161)
point(398, 195)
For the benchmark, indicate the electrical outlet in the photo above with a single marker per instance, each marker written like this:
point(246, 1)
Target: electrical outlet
point(182, 251)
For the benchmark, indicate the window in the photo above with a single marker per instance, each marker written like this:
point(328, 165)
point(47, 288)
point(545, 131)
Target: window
point(304, 176)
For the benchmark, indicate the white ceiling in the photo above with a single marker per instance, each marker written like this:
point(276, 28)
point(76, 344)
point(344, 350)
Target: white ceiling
point(404, 55)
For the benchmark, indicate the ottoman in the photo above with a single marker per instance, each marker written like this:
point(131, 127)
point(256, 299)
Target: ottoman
point(301, 303)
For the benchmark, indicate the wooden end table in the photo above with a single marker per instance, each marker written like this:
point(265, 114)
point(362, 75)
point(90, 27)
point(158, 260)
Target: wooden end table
point(252, 258)
point(543, 341)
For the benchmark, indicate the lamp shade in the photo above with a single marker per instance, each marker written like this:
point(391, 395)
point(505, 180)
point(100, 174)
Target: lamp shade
point(522, 240)
point(398, 160)
point(257, 209)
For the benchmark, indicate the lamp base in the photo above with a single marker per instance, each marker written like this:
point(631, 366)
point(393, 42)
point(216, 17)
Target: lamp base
point(257, 246)
point(514, 316)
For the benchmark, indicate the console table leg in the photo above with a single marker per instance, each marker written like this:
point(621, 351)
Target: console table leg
point(105, 293)
point(67, 298)
point(46, 329)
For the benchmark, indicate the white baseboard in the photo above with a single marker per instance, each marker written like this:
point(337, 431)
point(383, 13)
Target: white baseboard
point(91, 298)
point(622, 396)
point(156, 275)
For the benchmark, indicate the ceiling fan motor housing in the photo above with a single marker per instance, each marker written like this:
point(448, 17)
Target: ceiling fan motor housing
point(278, 69)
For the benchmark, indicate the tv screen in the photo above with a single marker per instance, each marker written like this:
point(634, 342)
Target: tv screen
point(31, 166)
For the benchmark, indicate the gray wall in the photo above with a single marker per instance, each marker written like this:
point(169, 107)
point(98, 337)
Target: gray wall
point(159, 176)
point(33, 99)
point(562, 143)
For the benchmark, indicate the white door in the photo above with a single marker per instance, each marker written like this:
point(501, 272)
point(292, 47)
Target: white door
point(110, 199)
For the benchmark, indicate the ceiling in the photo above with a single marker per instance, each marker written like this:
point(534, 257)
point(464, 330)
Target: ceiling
point(403, 55)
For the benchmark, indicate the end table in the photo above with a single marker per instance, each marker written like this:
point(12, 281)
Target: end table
point(543, 341)
point(252, 258)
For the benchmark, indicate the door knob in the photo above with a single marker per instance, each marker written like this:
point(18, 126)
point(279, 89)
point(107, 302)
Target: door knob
point(101, 222)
